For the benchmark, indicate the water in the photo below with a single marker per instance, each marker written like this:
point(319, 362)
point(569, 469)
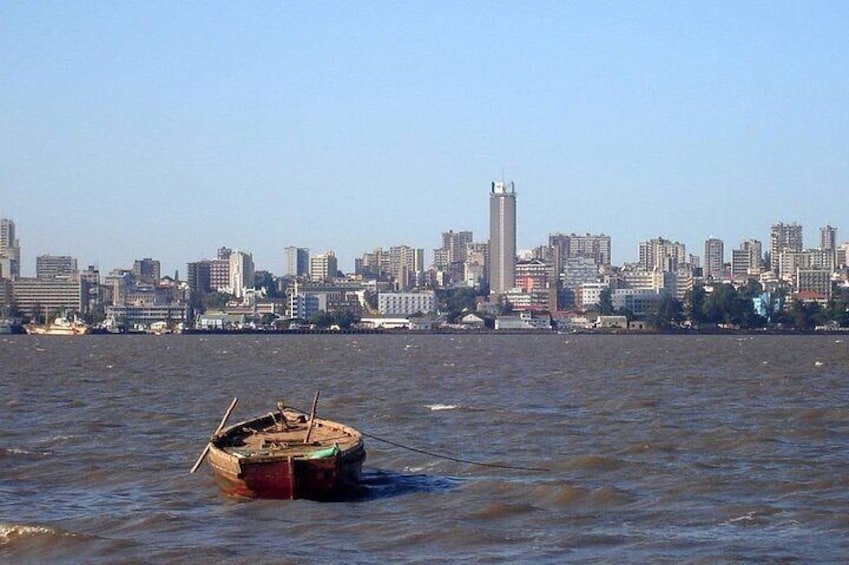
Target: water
point(660, 449)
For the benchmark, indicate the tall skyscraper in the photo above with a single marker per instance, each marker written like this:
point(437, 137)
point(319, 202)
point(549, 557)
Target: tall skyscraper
point(296, 262)
point(502, 237)
point(714, 258)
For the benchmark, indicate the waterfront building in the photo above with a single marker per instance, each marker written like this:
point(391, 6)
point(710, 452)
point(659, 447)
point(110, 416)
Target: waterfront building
point(323, 267)
point(406, 303)
point(783, 237)
point(55, 266)
point(502, 237)
point(296, 262)
point(46, 298)
point(662, 254)
point(146, 270)
point(714, 265)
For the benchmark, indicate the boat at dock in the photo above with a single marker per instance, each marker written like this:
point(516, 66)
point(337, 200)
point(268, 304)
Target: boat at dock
point(60, 326)
point(286, 454)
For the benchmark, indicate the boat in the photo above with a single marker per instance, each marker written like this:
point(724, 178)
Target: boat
point(286, 454)
point(10, 326)
point(60, 326)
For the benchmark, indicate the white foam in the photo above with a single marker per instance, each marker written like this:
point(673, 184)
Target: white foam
point(436, 407)
point(8, 532)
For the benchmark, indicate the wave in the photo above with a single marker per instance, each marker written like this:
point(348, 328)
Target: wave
point(13, 532)
point(436, 407)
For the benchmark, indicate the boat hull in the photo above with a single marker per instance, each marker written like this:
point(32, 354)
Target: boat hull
point(288, 477)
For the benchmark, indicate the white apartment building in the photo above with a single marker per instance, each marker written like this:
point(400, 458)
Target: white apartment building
point(406, 303)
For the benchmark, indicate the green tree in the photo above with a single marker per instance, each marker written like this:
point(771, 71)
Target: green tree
point(806, 315)
point(321, 319)
point(669, 313)
point(605, 302)
point(345, 319)
point(694, 305)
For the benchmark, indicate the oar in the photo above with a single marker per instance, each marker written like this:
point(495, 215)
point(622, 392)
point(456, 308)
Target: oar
point(220, 427)
point(312, 417)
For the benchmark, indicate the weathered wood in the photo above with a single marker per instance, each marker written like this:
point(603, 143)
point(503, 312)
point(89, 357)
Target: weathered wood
point(312, 417)
point(220, 427)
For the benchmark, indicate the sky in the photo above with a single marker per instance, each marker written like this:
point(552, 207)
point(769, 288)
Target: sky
point(170, 129)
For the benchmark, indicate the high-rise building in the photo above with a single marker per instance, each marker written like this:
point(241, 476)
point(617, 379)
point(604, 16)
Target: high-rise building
point(323, 267)
point(573, 246)
point(146, 270)
point(828, 238)
point(296, 262)
point(406, 265)
point(241, 273)
point(198, 276)
point(714, 258)
point(746, 261)
point(783, 237)
point(662, 254)
point(502, 237)
point(55, 266)
point(10, 250)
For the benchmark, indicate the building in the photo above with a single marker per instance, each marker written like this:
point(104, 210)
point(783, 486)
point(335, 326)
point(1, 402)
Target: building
point(828, 238)
point(55, 266)
point(502, 237)
point(662, 254)
point(747, 260)
point(146, 270)
point(783, 237)
point(46, 298)
point(10, 250)
point(474, 268)
point(814, 282)
point(198, 276)
point(323, 267)
point(219, 274)
point(406, 266)
point(587, 246)
point(241, 273)
point(533, 286)
point(296, 262)
point(714, 265)
point(406, 303)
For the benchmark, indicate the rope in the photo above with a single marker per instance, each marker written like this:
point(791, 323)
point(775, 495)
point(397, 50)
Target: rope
point(448, 457)
point(456, 459)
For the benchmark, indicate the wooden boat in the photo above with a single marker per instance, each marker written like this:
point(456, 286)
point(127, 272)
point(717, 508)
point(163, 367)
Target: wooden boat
point(287, 454)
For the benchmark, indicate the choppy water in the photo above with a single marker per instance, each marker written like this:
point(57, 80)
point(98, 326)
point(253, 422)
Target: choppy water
point(659, 449)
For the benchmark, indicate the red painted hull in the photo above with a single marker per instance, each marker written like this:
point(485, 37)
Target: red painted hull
point(267, 458)
point(289, 478)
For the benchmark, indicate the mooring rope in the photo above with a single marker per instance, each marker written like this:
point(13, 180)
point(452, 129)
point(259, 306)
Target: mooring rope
point(447, 457)
point(456, 459)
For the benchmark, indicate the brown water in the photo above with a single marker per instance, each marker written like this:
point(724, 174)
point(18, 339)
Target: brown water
point(658, 448)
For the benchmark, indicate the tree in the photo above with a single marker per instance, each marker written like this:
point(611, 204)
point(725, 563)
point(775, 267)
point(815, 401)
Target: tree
point(669, 313)
point(321, 319)
point(806, 315)
point(345, 319)
point(694, 305)
point(605, 302)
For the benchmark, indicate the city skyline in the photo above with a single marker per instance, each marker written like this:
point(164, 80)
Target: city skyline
point(162, 130)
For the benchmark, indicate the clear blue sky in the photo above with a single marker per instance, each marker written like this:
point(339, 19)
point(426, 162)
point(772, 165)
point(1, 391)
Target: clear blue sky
point(169, 129)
